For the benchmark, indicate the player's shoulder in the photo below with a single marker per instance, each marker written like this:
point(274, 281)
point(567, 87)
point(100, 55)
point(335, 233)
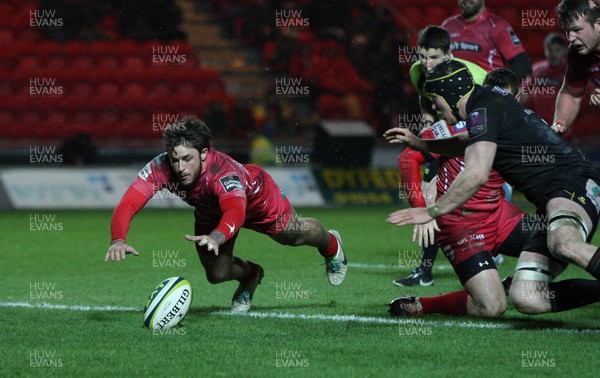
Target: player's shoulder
point(155, 166)
point(221, 164)
point(451, 21)
point(476, 70)
point(494, 20)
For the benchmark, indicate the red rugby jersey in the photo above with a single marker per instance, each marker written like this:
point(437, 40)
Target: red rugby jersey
point(488, 41)
point(221, 180)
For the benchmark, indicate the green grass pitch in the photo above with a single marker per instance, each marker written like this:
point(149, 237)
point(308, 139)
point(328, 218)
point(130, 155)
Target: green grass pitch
point(300, 325)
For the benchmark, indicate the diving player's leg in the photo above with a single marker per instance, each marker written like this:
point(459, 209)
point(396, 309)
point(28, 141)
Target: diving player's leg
point(226, 267)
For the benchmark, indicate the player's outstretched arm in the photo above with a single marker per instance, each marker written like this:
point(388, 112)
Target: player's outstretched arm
point(234, 216)
point(118, 250)
point(133, 201)
point(453, 146)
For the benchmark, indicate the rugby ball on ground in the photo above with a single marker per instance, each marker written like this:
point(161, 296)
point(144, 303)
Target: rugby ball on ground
point(168, 303)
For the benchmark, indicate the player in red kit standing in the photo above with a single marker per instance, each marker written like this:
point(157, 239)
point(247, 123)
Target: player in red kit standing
point(582, 24)
point(485, 39)
point(226, 196)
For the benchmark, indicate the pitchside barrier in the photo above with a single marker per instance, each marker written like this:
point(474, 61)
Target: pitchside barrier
point(102, 188)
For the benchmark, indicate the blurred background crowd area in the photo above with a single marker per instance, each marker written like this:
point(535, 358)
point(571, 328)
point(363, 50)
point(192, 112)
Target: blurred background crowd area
point(120, 71)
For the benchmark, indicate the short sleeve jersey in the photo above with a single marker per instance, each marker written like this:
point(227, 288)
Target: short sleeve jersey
point(581, 68)
point(529, 156)
point(488, 41)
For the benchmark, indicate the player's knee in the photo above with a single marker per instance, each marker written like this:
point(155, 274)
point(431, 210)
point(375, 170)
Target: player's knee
point(216, 276)
point(293, 239)
point(562, 249)
point(492, 309)
point(523, 295)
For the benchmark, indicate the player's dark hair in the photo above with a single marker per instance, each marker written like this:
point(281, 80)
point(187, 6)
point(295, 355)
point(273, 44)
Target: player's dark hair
point(555, 38)
point(503, 78)
point(434, 37)
point(189, 132)
point(593, 14)
point(568, 11)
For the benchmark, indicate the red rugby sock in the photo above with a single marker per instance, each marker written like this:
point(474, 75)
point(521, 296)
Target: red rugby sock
point(332, 250)
point(450, 304)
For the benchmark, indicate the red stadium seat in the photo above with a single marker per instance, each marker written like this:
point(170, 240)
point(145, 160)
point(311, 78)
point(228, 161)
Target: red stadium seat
point(434, 15)
point(56, 63)
point(186, 88)
point(8, 59)
point(127, 47)
point(134, 63)
point(106, 122)
point(29, 63)
point(108, 91)
point(133, 94)
point(56, 119)
point(31, 123)
point(82, 89)
point(7, 37)
point(82, 63)
point(136, 123)
point(510, 14)
point(108, 62)
point(159, 89)
point(101, 48)
point(74, 49)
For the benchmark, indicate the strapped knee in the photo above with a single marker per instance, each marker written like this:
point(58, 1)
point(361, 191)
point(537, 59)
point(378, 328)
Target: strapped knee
point(570, 218)
point(532, 271)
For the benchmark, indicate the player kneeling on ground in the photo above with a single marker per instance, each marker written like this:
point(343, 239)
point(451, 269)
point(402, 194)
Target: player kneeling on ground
point(500, 132)
point(226, 196)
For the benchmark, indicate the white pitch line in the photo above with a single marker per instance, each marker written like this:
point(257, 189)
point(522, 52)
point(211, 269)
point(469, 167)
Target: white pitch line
point(365, 319)
point(411, 322)
point(51, 306)
point(384, 266)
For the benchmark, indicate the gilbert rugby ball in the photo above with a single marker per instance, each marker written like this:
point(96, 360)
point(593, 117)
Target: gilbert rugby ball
point(168, 303)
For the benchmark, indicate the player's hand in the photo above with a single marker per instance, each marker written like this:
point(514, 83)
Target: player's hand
point(210, 243)
point(404, 135)
point(425, 233)
point(409, 216)
point(119, 250)
point(595, 97)
point(558, 127)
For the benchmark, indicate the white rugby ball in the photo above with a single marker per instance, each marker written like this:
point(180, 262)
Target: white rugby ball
point(168, 303)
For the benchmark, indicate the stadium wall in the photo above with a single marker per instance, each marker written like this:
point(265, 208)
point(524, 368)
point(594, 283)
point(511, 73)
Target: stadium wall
point(102, 188)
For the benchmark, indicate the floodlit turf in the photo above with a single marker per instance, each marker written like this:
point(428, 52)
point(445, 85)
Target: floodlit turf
point(301, 326)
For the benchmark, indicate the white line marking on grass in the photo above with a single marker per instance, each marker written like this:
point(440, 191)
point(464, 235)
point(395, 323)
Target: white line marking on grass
point(399, 321)
point(323, 317)
point(364, 319)
point(50, 306)
point(384, 266)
